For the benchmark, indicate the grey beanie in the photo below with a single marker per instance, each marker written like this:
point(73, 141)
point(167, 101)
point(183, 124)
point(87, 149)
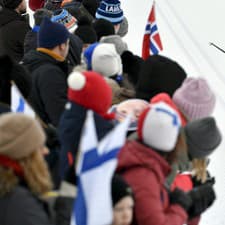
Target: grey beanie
point(202, 137)
point(120, 45)
point(123, 30)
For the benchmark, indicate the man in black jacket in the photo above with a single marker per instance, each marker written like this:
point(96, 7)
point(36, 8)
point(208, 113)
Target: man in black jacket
point(13, 27)
point(49, 71)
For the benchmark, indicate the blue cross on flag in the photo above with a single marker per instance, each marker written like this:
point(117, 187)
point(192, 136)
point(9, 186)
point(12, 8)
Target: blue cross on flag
point(95, 168)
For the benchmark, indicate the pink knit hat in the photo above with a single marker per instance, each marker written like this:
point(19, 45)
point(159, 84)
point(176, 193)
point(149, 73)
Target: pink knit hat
point(194, 98)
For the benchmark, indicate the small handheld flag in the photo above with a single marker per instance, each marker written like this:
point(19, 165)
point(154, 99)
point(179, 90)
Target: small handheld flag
point(19, 104)
point(95, 168)
point(151, 42)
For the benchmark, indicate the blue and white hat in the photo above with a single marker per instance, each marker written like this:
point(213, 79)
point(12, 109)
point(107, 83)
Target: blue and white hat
point(110, 10)
point(63, 17)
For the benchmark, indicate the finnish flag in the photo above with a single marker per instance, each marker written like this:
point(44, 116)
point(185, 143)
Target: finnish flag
point(95, 168)
point(19, 104)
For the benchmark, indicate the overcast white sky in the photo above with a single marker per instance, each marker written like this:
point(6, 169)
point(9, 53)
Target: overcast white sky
point(186, 27)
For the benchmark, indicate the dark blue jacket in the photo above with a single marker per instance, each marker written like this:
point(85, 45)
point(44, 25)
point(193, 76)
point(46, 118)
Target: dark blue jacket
point(70, 127)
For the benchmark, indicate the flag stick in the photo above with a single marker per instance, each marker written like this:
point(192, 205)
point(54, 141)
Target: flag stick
point(217, 47)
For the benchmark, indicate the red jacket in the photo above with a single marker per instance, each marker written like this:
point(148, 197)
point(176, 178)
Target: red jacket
point(145, 170)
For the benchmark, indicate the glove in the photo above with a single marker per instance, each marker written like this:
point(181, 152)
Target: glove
point(70, 176)
point(179, 197)
point(202, 197)
point(52, 137)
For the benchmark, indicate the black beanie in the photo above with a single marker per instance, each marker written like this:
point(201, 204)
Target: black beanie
point(10, 4)
point(159, 74)
point(85, 31)
point(120, 189)
point(103, 28)
point(202, 137)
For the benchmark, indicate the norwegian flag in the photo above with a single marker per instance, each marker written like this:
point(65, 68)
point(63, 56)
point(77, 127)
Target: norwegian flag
point(151, 42)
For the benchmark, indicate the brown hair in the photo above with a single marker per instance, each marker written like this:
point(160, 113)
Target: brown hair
point(36, 175)
point(171, 157)
point(200, 169)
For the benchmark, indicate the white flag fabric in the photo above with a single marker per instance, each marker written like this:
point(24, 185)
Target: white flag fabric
point(96, 165)
point(19, 104)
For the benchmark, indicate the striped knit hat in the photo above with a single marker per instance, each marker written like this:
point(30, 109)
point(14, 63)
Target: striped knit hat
point(110, 10)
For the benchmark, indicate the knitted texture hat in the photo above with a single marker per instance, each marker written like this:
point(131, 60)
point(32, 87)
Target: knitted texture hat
point(85, 31)
point(103, 28)
point(163, 97)
point(158, 127)
point(88, 53)
point(159, 74)
point(62, 16)
point(90, 90)
point(51, 34)
point(110, 10)
point(10, 4)
point(120, 189)
point(20, 135)
point(202, 137)
point(195, 98)
point(106, 61)
point(120, 45)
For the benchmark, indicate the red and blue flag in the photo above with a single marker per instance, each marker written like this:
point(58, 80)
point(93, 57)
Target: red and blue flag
point(152, 44)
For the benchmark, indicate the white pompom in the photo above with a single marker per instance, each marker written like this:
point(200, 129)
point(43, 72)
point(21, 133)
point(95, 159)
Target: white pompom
point(76, 81)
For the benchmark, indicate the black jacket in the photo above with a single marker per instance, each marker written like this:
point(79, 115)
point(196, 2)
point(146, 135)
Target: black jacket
point(70, 127)
point(21, 207)
point(49, 85)
point(13, 28)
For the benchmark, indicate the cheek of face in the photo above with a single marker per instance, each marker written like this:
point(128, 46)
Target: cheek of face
point(123, 211)
point(23, 7)
point(116, 28)
point(131, 107)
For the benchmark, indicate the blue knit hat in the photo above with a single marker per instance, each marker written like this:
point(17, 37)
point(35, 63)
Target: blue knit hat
point(63, 17)
point(88, 54)
point(51, 34)
point(110, 10)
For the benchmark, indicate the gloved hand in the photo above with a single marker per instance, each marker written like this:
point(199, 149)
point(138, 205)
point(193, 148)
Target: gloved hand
point(52, 137)
point(180, 197)
point(70, 176)
point(202, 197)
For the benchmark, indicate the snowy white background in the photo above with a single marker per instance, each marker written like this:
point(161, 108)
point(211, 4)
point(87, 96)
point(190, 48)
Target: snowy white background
point(186, 28)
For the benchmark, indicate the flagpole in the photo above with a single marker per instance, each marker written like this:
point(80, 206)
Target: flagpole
point(216, 46)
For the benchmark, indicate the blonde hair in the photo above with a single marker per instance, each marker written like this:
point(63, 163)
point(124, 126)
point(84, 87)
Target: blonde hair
point(181, 147)
point(199, 167)
point(8, 180)
point(36, 175)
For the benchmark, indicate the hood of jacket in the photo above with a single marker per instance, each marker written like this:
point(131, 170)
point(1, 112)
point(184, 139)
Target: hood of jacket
point(8, 15)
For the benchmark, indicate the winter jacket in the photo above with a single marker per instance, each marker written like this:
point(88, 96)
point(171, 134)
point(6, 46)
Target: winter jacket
point(49, 85)
point(13, 28)
point(70, 127)
point(145, 170)
point(21, 207)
